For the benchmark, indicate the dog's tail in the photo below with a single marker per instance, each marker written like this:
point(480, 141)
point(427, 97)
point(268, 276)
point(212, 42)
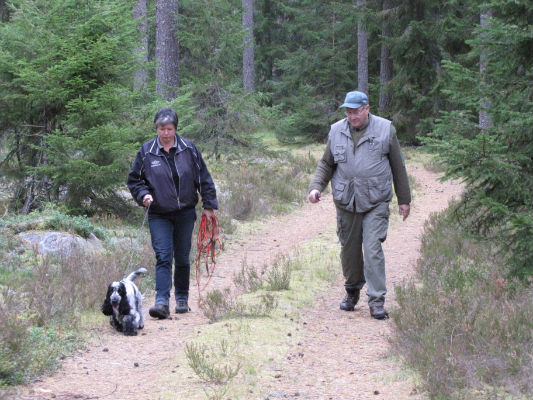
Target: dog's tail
point(131, 277)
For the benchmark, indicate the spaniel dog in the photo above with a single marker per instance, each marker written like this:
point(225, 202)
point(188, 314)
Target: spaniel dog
point(123, 304)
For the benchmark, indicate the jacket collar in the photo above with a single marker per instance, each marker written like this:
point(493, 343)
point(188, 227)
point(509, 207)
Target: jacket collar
point(179, 144)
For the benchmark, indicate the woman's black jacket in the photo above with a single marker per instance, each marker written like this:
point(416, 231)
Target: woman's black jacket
point(151, 174)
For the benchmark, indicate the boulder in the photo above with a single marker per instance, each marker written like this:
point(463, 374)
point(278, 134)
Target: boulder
point(60, 243)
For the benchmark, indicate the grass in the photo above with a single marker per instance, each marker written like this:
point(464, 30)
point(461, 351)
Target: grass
point(259, 342)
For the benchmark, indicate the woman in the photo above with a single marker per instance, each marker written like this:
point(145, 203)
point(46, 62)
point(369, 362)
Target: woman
point(166, 176)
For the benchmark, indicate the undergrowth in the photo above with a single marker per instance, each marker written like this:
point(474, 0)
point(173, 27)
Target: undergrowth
point(461, 324)
point(43, 299)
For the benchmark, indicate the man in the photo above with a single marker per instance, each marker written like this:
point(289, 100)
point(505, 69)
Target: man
point(362, 159)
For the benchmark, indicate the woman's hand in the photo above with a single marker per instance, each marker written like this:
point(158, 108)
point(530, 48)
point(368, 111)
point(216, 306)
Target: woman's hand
point(210, 214)
point(147, 200)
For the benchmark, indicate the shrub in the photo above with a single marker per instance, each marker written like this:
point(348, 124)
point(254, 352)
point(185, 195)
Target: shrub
point(221, 304)
point(279, 276)
point(461, 324)
point(43, 298)
point(248, 278)
point(264, 185)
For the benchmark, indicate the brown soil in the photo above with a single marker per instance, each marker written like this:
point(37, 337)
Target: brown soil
point(339, 355)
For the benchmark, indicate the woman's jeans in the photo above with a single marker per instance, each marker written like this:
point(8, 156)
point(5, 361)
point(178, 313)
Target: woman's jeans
point(171, 239)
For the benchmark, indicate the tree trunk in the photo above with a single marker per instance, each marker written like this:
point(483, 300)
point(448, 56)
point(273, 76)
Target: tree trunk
point(362, 51)
point(141, 52)
point(166, 48)
point(485, 120)
point(248, 68)
point(386, 70)
point(4, 11)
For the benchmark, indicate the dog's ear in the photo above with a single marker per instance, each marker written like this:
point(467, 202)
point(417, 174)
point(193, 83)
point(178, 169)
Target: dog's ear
point(124, 307)
point(106, 306)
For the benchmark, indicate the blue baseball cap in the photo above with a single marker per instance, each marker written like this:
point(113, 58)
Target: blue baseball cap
point(355, 99)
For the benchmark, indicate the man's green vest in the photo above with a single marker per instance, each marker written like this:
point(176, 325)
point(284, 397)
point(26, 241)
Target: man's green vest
point(362, 177)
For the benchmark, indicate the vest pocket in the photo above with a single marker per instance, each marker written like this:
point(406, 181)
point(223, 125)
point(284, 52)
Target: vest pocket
point(339, 154)
point(338, 190)
point(343, 192)
point(375, 150)
point(379, 190)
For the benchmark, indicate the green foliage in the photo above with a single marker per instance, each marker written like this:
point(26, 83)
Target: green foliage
point(53, 218)
point(494, 162)
point(27, 351)
point(211, 43)
point(311, 63)
point(65, 71)
point(461, 325)
point(211, 369)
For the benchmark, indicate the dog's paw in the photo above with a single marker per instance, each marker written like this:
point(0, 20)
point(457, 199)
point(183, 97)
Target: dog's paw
point(130, 333)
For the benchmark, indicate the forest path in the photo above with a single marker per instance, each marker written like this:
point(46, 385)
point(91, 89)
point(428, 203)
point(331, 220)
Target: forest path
point(346, 353)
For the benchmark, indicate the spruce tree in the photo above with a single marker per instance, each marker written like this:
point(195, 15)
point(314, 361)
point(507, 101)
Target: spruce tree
point(65, 71)
point(495, 161)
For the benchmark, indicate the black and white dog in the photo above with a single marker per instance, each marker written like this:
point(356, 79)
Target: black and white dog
point(123, 304)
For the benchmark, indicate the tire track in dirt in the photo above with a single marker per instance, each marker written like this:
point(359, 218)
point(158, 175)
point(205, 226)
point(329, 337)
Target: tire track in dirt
point(345, 354)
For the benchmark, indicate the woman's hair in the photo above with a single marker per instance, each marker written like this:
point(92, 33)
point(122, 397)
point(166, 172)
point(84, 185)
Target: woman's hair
point(165, 116)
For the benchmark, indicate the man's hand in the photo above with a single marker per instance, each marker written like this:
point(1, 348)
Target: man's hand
point(314, 196)
point(404, 210)
point(209, 214)
point(147, 200)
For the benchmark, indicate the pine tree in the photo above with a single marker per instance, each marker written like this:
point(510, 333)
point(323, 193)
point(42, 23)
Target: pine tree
point(248, 67)
point(140, 80)
point(167, 48)
point(362, 49)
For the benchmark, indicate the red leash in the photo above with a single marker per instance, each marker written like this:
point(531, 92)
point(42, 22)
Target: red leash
point(207, 250)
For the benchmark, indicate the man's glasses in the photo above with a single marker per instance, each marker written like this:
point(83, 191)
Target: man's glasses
point(356, 111)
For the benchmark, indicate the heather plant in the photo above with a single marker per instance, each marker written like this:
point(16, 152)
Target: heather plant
point(249, 279)
point(462, 324)
point(215, 366)
point(278, 277)
point(224, 304)
point(271, 278)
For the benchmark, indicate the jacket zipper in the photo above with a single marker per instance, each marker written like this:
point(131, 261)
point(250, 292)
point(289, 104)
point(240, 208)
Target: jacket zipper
point(179, 179)
point(173, 185)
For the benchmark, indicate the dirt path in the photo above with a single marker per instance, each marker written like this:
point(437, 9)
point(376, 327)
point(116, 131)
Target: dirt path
point(345, 353)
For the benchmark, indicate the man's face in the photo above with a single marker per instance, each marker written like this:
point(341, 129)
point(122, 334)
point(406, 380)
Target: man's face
point(358, 117)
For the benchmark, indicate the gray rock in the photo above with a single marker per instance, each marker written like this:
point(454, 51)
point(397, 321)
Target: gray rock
point(60, 243)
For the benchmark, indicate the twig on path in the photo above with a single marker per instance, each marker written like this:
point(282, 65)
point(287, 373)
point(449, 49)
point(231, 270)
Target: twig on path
point(105, 395)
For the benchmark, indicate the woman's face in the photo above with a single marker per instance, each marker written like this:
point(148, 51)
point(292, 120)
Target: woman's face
point(166, 133)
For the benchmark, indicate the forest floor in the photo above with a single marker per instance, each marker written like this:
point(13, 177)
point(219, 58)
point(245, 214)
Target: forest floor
point(334, 355)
